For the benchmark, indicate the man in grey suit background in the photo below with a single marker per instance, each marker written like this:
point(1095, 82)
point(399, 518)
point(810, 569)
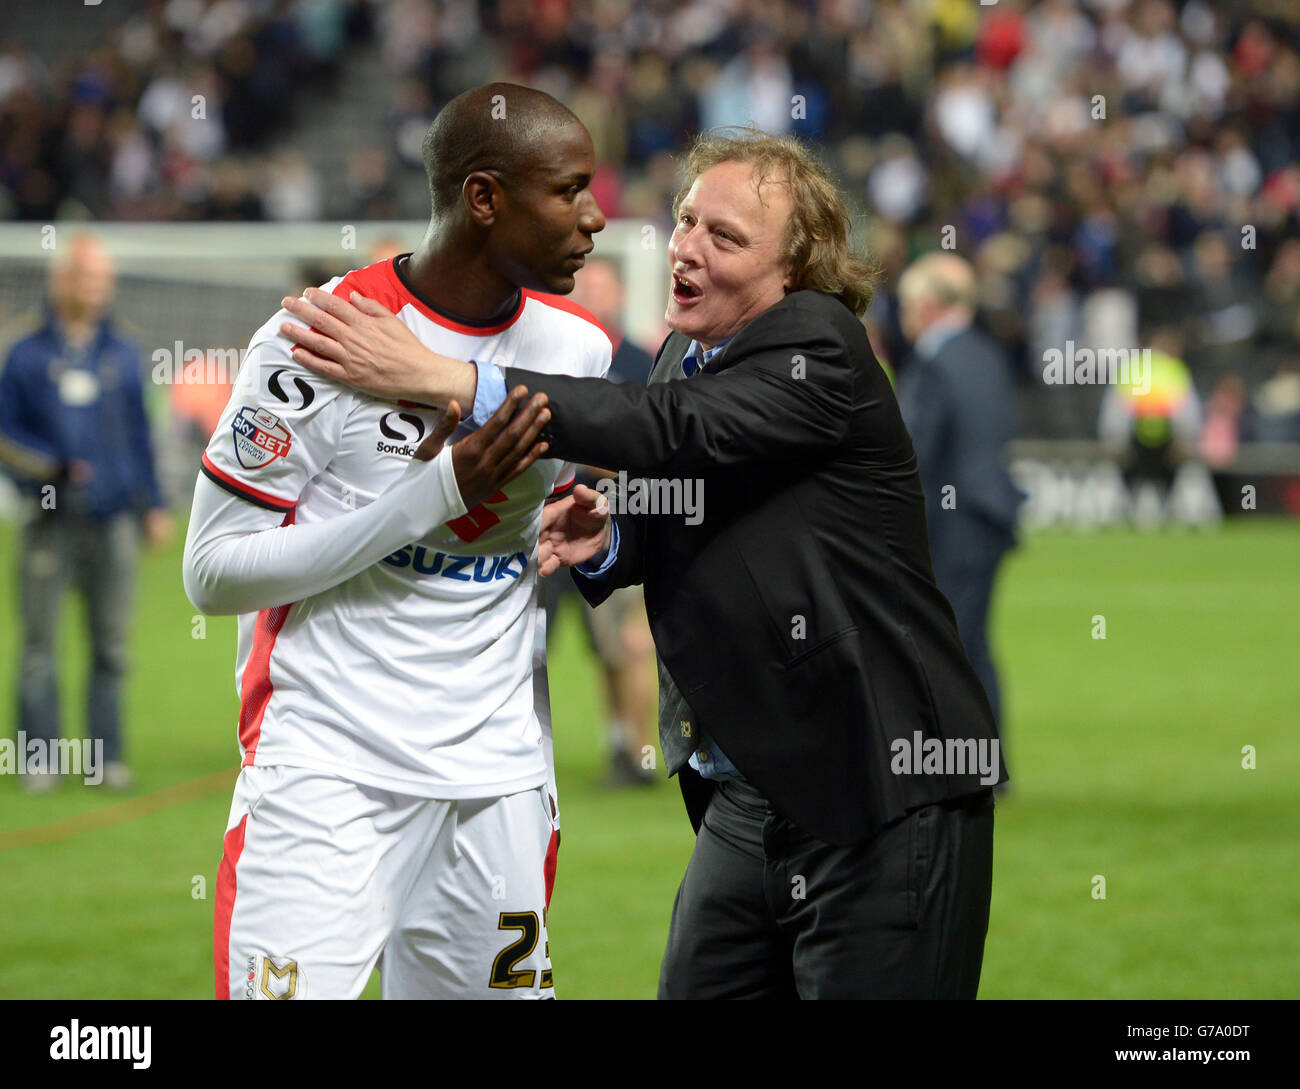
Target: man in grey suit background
point(957, 394)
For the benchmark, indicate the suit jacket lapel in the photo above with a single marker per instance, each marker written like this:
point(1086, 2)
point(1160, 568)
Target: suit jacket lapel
point(671, 354)
point(720, 362)
point(668, 367)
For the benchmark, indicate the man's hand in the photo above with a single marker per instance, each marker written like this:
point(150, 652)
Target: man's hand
point(575, 529)
point(499, 450)
point(360, 343)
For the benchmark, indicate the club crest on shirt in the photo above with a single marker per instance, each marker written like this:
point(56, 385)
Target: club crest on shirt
point(259, 437)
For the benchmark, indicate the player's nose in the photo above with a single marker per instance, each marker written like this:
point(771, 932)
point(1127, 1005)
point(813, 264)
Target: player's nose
point(592, 219)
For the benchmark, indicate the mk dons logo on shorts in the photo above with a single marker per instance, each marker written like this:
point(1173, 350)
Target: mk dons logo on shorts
point(281, 979)
point(260, 437)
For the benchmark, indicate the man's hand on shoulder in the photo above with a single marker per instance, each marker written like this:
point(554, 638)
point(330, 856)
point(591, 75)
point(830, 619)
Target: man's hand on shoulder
point(360, 343)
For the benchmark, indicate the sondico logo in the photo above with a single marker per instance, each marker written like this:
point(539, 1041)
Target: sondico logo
point(281, 978)
point(407, 429)
point(306, 395)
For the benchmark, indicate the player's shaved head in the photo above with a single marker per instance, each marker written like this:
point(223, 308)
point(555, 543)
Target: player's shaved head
point(510, 174)
point(499, 128)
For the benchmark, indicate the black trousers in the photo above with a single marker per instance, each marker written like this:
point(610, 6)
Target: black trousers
point(767, 911)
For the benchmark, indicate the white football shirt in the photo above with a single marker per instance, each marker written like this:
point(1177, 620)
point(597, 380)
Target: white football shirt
point(416, 674)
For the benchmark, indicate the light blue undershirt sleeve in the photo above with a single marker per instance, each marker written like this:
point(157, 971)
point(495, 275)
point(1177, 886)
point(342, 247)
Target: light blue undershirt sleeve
point(490, 394)
point(587, 571)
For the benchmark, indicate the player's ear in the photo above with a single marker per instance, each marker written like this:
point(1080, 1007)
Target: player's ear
point(482, 194)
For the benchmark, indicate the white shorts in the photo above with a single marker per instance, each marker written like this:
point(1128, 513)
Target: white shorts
point(323, 878)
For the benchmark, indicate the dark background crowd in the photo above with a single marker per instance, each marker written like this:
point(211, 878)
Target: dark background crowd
point(1115, 170)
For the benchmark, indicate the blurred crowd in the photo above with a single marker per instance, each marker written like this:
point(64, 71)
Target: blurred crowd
point(175, 114)
point(1116, 170)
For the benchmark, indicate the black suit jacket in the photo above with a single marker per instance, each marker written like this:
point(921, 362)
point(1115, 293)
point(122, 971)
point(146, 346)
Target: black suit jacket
point(960, 409)
point(800, 618)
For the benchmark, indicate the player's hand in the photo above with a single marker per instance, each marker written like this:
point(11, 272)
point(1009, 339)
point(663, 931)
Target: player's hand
point(433, 444)
point(502, 448)
point(575, 529)
point(360, 343)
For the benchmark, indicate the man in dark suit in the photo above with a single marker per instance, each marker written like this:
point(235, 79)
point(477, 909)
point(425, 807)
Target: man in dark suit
point(834, 746)
point(619, 633)
point(957, 395)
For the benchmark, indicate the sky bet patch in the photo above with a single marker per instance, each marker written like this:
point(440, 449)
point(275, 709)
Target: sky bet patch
point(260, 437)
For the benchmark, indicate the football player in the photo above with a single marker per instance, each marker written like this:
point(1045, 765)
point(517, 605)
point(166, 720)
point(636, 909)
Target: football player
point(396, 802)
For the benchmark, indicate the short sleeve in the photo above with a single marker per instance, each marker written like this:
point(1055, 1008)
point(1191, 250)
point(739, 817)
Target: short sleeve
point(281, 427)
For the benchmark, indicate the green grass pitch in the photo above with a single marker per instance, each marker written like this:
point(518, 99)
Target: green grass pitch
point(1126, 755)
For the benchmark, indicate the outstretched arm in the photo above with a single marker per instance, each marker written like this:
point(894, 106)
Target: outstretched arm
point(790, 395)
point(240, 557)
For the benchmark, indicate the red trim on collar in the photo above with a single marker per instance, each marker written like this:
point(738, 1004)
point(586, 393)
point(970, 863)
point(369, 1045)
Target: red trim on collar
point(381, 283)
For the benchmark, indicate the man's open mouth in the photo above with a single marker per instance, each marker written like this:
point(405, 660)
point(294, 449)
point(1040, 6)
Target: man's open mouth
point(685, 291)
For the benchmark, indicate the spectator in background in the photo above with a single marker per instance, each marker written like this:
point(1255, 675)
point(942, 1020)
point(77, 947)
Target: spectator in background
point(371, 189)
point(957, 396)
point(754, 88)
point(75, 437)
point(1151, 423)
point(1277, 405)
point(1282, 298)
point(1225, 413)
point(292, 189)
point(1224, 305)
point(619, 631)
point(1229, 421)
point(600, 290)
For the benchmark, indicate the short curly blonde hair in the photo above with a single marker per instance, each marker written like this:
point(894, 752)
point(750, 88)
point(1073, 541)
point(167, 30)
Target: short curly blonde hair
point(817, 244)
